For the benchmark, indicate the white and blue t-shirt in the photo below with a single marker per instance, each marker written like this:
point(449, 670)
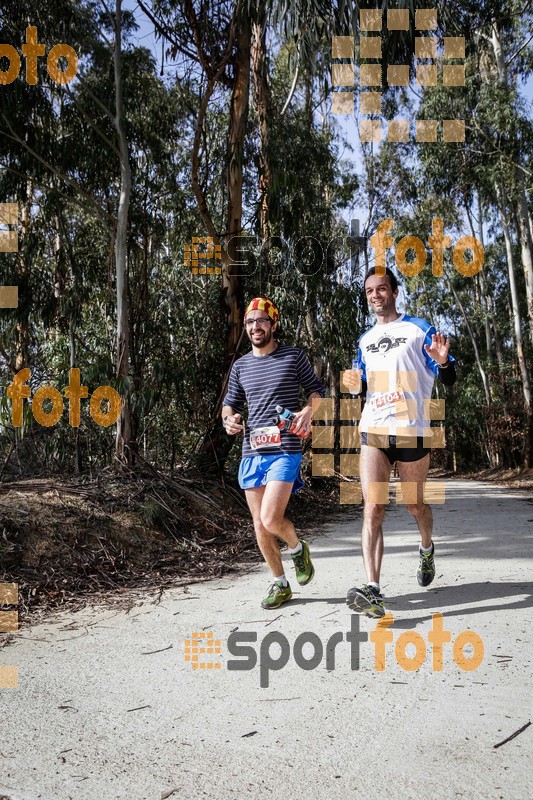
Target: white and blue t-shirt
point(399, 375)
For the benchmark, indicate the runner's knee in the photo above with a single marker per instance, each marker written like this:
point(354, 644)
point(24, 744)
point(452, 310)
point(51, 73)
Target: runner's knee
point(374, 512)
point(271, 520)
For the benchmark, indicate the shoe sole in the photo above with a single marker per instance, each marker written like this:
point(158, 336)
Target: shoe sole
point(360, 605)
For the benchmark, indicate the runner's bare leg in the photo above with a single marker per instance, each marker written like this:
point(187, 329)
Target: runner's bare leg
point(267, 505)
point(375, 468)
point(416, 472)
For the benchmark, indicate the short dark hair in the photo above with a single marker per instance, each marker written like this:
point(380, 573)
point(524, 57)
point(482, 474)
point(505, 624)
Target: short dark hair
point(392, 277)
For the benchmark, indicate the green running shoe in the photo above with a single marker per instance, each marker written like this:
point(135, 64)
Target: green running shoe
point(277, 595)
point(303, 565)
point(367, 601)
point(426, 568)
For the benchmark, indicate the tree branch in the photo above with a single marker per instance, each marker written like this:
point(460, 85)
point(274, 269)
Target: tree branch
point(164, 33)
point(511, 58)
point(293, 87)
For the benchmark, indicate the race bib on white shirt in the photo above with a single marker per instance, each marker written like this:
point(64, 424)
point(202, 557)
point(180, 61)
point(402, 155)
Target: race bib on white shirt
point(388, 400)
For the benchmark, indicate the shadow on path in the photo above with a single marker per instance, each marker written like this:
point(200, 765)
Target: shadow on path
point(441, 598)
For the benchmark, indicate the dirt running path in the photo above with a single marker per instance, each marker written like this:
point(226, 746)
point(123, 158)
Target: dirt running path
point(108, 708)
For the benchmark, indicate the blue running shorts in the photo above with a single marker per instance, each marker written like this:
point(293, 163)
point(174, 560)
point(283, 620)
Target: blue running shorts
point(258, 470)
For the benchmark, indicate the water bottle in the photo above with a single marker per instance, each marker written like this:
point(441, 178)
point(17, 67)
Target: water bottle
point(355, 365)
point(285, 421)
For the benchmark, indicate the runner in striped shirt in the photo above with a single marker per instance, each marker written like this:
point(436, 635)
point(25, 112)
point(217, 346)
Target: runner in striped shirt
point(271, 374)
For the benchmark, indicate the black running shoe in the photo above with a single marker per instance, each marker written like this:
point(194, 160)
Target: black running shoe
point(426, 568)
point(366, 600)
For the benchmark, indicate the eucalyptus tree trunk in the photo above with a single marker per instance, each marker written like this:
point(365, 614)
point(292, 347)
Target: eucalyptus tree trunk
point(215, 446)
point(526, 251)
point(524, 222)
point(124, 438)
point(22, 327)
point(72, 349)
point(262, 102)
point(232, 282)
point(517, 325)
point(517, 319)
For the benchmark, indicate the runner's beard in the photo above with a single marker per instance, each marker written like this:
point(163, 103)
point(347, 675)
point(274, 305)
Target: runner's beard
point(260, 341)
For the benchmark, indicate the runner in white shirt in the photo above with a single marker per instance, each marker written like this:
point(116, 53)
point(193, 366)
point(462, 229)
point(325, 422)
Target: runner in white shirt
point(397, 362)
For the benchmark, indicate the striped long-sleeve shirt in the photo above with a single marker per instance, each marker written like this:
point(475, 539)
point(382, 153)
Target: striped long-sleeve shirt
point(262, 383)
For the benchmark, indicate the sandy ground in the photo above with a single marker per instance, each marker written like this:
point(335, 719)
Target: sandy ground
point(107, 706)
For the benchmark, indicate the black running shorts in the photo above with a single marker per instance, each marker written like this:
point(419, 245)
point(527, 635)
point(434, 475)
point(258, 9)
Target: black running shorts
point(394, 453)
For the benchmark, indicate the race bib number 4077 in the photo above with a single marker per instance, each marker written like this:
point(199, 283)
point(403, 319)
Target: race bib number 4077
point(265, 437)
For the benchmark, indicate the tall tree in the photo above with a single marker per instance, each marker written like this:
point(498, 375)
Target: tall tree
point(125, 435)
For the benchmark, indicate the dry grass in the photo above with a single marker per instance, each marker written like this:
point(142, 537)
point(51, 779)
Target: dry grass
point(68, 542)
